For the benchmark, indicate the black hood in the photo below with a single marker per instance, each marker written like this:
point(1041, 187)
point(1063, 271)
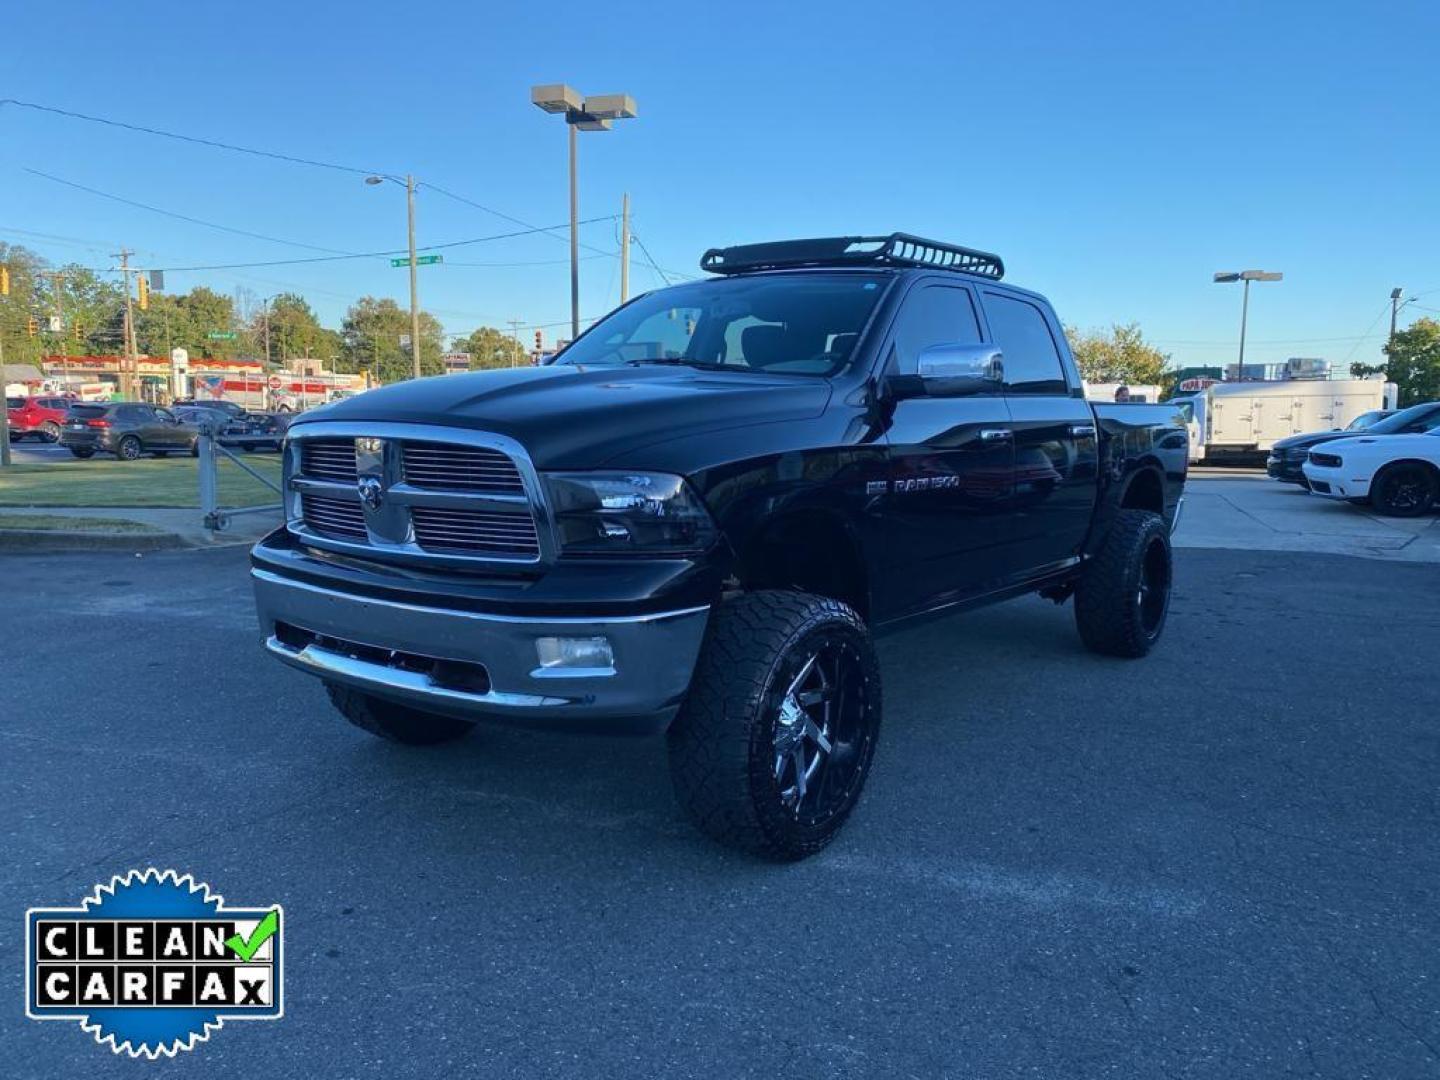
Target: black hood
point(1314, 438)
point(570, 417)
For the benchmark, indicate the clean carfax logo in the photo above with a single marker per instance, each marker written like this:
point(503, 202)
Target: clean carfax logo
point(153, 962)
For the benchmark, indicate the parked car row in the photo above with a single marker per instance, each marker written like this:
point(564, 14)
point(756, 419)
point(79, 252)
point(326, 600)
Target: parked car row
point(1387, 460)
point(129, 429)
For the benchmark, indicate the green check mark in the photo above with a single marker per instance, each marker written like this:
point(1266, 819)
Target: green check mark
point(261, 934)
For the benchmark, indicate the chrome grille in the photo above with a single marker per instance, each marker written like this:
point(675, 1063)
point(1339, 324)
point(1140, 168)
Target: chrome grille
point(474, 531)
point(416, 493)
point(328, 459)
point(460, 468)
point(334, 517)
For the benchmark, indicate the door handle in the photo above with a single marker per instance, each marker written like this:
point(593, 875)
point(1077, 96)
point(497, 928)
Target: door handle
point(996, 434)
point(1082, 431)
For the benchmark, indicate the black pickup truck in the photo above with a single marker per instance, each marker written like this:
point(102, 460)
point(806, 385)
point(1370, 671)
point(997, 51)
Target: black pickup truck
point(694, 521)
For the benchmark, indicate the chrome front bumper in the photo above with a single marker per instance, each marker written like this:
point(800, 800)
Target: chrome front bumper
point(654, 656)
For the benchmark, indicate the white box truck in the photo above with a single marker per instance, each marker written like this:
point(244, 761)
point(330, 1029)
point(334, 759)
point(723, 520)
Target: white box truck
point(1249, 417)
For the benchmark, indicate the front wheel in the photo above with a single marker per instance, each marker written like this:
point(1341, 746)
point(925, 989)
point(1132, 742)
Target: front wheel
point(395, 722)
point(1405, 489)
point(1123, 596)
point(772, 746)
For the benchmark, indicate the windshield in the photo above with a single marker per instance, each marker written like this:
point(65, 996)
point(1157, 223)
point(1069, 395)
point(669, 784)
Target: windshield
point(1185, 406)
point(1405, 417)
point(1365, 419)
point(795, 324)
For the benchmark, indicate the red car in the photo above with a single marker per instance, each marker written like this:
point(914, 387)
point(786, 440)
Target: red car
point(39, 416)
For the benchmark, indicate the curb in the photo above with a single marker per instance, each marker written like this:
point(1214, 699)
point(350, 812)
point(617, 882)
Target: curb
point(48, 540)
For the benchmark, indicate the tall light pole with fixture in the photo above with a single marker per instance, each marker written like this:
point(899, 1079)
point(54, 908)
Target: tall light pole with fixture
point(414, 282)
point(585, 114)
point(1226, 277)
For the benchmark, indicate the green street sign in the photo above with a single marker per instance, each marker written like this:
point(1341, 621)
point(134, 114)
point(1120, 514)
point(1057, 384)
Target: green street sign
point(222, 335)
point(423, 260)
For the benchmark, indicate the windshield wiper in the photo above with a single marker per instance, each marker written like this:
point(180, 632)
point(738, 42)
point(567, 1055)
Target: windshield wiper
point(680, 361)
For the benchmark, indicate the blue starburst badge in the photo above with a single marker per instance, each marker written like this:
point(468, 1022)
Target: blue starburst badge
point(153, 962)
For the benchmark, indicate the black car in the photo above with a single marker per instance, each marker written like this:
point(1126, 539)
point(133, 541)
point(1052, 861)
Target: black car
point(1288, 455)
point(126, 429)
point(694, 520)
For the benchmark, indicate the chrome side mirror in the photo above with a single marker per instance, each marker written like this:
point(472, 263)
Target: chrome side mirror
point(952, 371)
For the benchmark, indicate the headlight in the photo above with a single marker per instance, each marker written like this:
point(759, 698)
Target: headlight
point(602, 513)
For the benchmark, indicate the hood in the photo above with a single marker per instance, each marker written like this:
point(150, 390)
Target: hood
point(1313, 438)
point(577, 417)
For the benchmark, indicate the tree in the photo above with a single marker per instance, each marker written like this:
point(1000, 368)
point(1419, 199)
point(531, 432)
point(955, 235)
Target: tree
point(293, 330)
point(27, 298)
point(1119, 355)
point(186, 321)
point(1412, 362)
point(371, 338)
point(491, 348)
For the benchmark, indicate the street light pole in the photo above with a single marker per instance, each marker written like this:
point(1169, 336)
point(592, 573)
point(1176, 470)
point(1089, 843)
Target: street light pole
point(1227, 277)
point(414, 280)
point(625, 248)
point(1395, 295)
point(588, 114)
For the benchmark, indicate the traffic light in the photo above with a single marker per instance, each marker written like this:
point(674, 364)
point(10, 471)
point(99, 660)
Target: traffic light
point(75, 331)
point(32, 326)
point(144, 286)
point(4, 281)
point(539, 341)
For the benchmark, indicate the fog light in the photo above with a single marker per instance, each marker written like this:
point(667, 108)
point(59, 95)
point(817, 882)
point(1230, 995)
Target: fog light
point(575, 655)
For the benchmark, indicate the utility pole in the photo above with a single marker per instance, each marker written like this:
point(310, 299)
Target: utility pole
point(414, 283)
point(515, 325)
point(131, 365)
point(625, 248)
point(4, 413)
point(1395, 294)
point(57, 279)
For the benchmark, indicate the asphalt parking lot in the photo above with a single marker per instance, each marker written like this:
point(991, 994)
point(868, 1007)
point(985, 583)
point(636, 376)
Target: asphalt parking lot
point(1217, 862)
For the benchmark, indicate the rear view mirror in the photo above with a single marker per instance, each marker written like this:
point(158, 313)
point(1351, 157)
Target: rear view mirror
point(953, 370)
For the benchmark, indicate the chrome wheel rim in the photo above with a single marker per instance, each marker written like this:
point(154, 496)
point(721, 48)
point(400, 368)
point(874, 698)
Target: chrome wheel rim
point(821, 732)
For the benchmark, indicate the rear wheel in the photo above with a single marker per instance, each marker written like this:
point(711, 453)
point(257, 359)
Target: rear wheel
point(1405, 489)
point(395, 722)
point(50, 431)
point(82, 451)
point(1123, 596)
point(129, 448)
point(772, 746)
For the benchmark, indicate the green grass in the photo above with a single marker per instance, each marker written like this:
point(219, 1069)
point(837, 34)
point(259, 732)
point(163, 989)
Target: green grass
point(72, 523)
point(155, 482)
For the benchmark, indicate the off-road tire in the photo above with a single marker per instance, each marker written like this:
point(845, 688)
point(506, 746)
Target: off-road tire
point(721, 745)
point(1111, 610)
point(1420, 475)
point(395, 722)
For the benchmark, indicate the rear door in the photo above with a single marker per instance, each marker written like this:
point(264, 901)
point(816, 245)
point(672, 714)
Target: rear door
point(1056, 441)
point(950, 467)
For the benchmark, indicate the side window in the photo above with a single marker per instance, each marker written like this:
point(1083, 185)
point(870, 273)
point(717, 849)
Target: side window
point(1032, 360)
point(934, 315)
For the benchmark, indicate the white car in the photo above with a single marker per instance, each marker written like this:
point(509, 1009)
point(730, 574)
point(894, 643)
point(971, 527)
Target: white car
point(1397, 474)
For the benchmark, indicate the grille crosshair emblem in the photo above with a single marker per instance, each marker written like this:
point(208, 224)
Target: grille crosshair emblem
point(371, 493)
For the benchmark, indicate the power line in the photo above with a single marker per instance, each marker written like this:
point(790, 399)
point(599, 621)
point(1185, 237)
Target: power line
point(215, 144)
point(184, 217)
point(368, 254)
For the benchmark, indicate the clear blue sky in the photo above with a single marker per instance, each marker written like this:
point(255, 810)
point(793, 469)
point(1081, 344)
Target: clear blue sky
point(1114, 154)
